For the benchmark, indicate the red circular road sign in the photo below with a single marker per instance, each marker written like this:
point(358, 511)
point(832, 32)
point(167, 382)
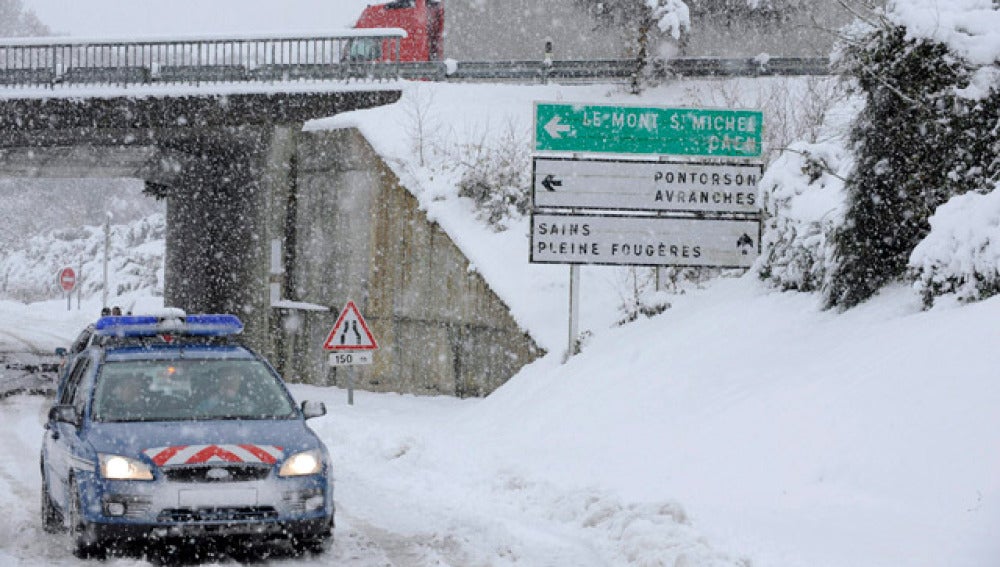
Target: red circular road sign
point(67, 279)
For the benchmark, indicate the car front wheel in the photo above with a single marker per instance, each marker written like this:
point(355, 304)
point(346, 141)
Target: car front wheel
point(52, 519)
point(315, 544)
point(81, 533)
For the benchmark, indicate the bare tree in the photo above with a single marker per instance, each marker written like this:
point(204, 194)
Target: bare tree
point(652, 21)
point(422, 125)
point(17, 21)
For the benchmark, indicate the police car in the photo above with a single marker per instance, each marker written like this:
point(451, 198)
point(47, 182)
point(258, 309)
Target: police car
point(168, 427)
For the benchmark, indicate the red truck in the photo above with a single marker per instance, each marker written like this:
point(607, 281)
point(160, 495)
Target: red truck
point(423, 21)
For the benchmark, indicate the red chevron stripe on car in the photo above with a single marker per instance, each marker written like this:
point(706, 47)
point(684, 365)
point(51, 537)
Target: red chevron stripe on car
point(200, 454)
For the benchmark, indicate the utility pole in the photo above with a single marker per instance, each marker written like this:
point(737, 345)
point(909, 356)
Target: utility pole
point(107, 253)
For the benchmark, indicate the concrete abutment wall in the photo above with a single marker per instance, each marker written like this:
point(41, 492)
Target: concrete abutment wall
point(359, 235)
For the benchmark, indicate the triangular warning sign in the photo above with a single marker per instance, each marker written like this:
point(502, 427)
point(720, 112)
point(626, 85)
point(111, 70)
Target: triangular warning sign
point(350, 332)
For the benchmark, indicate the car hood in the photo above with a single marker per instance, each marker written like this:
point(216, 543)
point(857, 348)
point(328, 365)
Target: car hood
point(223, 437)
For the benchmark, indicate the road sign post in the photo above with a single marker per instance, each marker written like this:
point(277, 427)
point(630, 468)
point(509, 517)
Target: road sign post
point(67, 281)
point(351, 343)
point(574, 310)
point(713, 203)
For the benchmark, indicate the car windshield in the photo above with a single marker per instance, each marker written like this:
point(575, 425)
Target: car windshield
point(171, 390)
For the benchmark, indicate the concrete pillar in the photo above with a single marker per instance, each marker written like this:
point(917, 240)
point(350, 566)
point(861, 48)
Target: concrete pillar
point(221, 218)
point(278, 203)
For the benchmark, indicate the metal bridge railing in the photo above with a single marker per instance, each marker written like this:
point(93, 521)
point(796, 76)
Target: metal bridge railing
point(53, 62)
point(350, 54)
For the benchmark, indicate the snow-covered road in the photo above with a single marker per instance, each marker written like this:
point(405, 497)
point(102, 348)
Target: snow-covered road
point(401, 500)
point(419, 482)
point(358, 542)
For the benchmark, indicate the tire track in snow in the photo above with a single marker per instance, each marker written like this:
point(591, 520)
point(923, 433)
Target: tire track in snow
point(356, 543)
point(21, 531)
point(359, 543)
point(11, 342)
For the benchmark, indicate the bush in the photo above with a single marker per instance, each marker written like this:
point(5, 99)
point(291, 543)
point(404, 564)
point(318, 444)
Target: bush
point(804, 202)
point(498, 179)
point(961, 255)
point(917, 142)
point(637, 290)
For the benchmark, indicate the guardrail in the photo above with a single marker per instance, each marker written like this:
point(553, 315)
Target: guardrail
point(350, 54)
point(613, 69)
point(53, 62)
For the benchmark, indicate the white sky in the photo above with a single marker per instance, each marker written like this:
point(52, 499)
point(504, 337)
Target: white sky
point(132, 18)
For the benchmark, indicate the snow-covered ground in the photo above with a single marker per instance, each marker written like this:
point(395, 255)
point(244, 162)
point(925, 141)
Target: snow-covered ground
point(742, 424)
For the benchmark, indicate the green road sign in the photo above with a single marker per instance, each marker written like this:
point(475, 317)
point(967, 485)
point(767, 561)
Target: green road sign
point(647, 130)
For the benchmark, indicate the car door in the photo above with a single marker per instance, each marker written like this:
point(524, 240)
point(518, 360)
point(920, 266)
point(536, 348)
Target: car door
point(62, 440)
point(79, 345)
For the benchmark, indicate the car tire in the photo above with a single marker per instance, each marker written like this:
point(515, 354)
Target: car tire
point(315, 544)
point(81, 535)
point(52, 518)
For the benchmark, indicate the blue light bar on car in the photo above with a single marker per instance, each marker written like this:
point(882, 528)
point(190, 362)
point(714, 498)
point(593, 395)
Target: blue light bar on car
point(149, 326)
point(213, 325)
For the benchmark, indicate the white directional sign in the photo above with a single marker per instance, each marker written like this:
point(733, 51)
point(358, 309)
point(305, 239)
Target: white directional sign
point(646, 185)
point(628, 240)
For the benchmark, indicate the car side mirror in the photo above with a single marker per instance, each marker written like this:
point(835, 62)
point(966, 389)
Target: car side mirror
point(313, 409)
point(61, 351)
point(64, 414)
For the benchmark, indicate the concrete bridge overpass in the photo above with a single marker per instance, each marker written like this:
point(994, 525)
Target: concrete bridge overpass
point(258, 211)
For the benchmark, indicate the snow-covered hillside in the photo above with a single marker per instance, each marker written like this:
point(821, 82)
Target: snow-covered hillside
point(135, 261)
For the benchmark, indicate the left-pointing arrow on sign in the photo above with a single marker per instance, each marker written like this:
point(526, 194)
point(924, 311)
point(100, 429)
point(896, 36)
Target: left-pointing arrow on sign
point(550, 182)
point(555, 128)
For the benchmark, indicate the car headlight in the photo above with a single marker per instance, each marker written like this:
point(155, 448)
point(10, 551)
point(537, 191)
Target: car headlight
point(116, 467)
point(301, 464)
